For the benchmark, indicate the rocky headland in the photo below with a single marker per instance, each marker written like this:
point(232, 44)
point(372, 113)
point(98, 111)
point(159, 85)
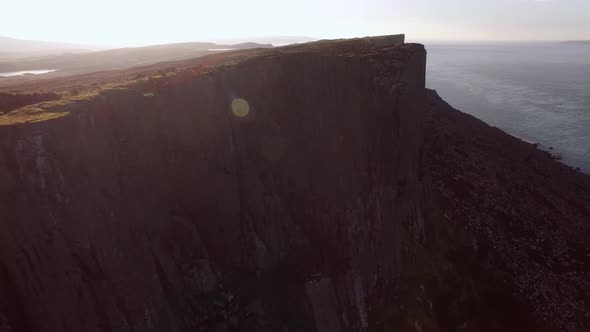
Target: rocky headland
point(317, 187)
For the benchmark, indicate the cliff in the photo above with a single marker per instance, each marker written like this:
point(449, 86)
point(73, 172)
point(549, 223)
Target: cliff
point(316, 187)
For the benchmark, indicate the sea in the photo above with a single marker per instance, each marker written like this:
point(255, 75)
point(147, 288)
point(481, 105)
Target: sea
point(539, 92)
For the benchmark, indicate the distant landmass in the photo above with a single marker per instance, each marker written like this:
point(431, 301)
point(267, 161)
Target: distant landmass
point(78, 63)
point(13, 48)
point(577, 42)
point(274, 40)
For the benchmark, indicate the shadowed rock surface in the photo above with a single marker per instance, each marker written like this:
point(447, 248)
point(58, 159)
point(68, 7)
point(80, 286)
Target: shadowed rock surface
point(10, 101)
point(348, 198)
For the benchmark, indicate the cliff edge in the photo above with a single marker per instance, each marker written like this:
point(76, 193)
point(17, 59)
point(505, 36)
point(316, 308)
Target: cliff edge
point(316, 187)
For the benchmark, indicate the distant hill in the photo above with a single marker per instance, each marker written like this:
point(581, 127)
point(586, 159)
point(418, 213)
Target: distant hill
point(577, 42)
point(274, 40)
point(12, 47)
point(122, 58)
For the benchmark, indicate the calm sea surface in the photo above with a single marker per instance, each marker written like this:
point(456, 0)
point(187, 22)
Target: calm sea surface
point(537, 91)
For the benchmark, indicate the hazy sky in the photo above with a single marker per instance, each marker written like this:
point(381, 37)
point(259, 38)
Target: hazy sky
point(140, 22)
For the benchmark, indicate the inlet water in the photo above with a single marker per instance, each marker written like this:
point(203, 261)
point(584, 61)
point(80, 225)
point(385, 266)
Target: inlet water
point(27, 72)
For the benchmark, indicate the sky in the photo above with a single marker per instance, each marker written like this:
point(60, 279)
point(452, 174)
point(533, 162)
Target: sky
point(144, 22)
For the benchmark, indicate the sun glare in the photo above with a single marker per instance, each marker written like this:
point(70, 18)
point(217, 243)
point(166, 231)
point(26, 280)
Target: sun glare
point(240, 107)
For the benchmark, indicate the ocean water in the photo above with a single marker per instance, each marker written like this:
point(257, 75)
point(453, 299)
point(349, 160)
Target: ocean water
point(539, 92)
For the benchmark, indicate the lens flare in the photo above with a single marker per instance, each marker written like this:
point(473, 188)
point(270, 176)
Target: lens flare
point(240, 107)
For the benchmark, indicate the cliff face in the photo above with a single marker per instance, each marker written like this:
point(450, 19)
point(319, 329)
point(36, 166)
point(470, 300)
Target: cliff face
point(316, 203)
point(164, 211)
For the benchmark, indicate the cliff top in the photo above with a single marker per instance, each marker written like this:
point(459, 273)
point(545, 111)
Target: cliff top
point(144, 80)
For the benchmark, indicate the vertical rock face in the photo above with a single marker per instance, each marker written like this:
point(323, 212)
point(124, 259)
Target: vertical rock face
point(168, 212)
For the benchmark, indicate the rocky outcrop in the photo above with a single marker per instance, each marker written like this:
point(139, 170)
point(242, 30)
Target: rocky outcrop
point(514, 215)
point(305, 188)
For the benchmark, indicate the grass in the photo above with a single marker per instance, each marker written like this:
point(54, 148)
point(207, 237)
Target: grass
point(59, 108)
point(30, 114)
